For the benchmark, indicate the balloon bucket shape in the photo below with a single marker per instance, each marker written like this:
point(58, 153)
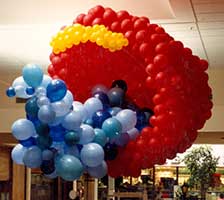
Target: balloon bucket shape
point(150, 95)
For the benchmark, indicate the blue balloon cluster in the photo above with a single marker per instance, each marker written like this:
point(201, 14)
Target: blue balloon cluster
point(64, 137)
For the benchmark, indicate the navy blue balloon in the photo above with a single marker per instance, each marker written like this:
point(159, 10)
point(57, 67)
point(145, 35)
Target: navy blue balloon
point(57, 133)
point(103, 98)
point(99, 117)
point(148, 114)
point(10, 92)
point(28, 142)
point(141, 120)
point(56, 90)
point(41, 128)
point(120, 84)
point(31, 107)
point(47, 166)
point(110, 151)
point(30, 90)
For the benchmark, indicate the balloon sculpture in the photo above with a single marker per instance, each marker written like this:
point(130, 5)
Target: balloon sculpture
point(144, 98)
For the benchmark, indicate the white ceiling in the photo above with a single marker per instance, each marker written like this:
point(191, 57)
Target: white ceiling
point(26, 28)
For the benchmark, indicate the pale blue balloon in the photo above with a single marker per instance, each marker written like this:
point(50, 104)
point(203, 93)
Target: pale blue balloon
point(46, 80)
point(133, 133)
point(114, 110)
point(79, 108)
point(20, 88)
point(69, 167)
point(33, 75)
point(127, 118)
point(17, 154)
point(87, 134)
point(68, 98)
point(92, 105)
point(40, 91)
point(60, 108)
point(99, 171)
point(43, 100)
point(72, 121)
point(33, 157)
point(46, 114)
point(23, 129)
point(92, 154)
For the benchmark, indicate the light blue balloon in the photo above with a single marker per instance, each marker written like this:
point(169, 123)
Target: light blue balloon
point(127, 118)
point(60, 108)
point(43, 100)
point(59, 146)
point(20, 88)
point(92, 105)
point(46, 80)
point(100, 137)
point(68, 99)
point(40, 91)
point(92, 154)
point(46, 114)
point(79, 108)
point(72, 121)
point(33, 157)
point(99, 171)
point(69, 167)
point(87, 134)
point(133, 133)
point(23, 129)
point(17, 154)
point(32, 75)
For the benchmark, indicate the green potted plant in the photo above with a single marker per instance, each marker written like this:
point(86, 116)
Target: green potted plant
point(202, 165)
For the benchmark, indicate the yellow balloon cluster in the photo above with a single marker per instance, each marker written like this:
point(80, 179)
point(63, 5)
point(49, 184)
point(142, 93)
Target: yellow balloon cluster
point(73, 35)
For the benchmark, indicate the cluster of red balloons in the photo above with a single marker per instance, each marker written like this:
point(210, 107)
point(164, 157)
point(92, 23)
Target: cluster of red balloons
point(160, 73)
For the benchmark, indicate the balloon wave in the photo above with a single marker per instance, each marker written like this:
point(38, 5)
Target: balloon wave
point(140, 98)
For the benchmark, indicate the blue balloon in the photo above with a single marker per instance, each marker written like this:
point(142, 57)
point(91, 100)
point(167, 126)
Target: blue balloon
point(92, 154)
point(56, 90)
point(52, 175)
point(58, 146)
point(92, 105)
point(30, 90)
point(10, 92)
point(69, 167)
point(100, 137)
point(31, 107)
point(103, 98)
point(86, 134)
point(28, 142)
point(72, 121)
point(33, 157)
point(99, 88)
point(17, 154)
point(112, 127)
point(99, 117)
point(72, 150)
point(32, 75)
point(46, 114)
point(23, 129)
point(127, 118)
point(47, 166)
point(99, 171)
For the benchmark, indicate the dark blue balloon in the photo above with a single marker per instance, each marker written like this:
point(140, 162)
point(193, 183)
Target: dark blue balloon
point(103, 98)
point(57, 128)
point(30, 90)
point(99, 117)
point(10, 92)
point(47, 166)
point(120, 84)
point(57, 136)
point(110, 151)
point(148, 114)
point(41, 129)
point(31, 107)
point(141, 120)
point(28, 142)
point(56, 90)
